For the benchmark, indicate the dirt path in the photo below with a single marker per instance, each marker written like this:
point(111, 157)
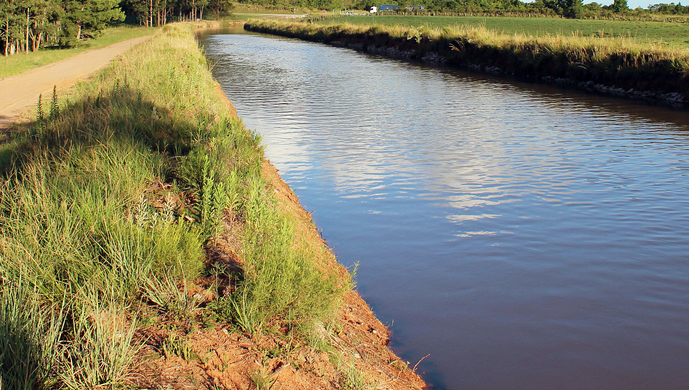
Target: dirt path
point(286, 16)
point(19, 93)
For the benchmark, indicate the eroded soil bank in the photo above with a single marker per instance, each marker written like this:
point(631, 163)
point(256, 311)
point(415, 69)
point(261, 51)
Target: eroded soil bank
point(653, 76)
point(220, 357)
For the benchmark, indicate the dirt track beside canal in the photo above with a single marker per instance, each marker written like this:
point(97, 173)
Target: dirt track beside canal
point(19, 93)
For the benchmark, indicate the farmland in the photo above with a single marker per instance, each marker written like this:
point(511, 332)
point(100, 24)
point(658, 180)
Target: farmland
point(666, 33)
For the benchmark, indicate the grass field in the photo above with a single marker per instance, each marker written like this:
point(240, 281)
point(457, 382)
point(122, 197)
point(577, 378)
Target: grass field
point(671, 34)
point(22, 62)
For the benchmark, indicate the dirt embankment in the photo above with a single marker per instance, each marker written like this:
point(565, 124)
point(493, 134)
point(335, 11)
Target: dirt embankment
point(650, 77)
point(220, 358)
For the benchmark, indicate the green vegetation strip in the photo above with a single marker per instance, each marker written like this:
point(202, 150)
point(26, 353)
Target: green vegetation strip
point(622, 62)
point(21, 62)
point(106, 205)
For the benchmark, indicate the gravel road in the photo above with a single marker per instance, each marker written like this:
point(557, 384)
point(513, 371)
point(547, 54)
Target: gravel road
point(19, 93)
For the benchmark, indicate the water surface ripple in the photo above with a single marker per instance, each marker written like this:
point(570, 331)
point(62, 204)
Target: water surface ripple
point(525, 237)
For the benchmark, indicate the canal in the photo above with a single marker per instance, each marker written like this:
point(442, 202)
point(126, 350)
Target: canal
point(525, 237)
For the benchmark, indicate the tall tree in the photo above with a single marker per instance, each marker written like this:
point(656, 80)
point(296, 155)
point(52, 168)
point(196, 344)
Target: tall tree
point(90, 17)
point(8, 19)
point(220, 7)
point(26, 25)
point(620, 6)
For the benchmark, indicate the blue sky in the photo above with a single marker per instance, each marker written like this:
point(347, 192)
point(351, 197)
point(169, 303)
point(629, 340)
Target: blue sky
point(632, 3)
point(636, 3)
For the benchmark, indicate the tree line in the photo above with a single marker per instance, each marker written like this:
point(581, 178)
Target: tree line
point(28, 25)
point(564, 8)
point(671, 9)
point(159, 12)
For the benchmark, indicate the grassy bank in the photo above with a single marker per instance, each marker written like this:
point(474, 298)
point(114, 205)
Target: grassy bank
point(138, 228)
point(622, 63)
point(643, 32)
point(22, 62)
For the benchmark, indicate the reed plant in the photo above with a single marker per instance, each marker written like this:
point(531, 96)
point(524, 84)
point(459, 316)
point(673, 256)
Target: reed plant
point(107, 204)
point(29, 337)
point(285, 283)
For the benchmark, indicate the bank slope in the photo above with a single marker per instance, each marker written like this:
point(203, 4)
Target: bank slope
point(146, 243)
point(613, 66)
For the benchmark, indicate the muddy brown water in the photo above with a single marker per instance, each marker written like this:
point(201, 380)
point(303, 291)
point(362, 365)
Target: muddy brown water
point(525, 237)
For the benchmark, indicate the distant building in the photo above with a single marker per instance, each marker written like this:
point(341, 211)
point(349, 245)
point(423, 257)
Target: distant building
point(388, 7)
point(412, 7)
point(373, 10)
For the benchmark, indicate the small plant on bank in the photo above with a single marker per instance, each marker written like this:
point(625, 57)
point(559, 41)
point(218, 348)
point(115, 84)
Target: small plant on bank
point(54, 106)
point(170, 298)
point(350, 378)
point(177, 346)
point(105, 349)
point(262, 379)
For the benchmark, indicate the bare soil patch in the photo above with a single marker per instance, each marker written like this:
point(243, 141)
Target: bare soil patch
point(179, 355)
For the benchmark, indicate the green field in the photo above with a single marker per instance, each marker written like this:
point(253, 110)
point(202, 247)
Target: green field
point(672, 34)
point(22, 62)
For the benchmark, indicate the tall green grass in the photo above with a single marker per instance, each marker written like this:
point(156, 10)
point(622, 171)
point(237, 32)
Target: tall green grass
point(107, 203)
point(295, 291)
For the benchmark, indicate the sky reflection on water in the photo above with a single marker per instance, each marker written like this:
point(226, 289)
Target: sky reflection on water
point(525, 237)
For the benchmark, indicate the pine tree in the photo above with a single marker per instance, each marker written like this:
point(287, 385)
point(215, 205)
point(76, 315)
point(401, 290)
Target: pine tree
point(87, 18)
point(220, 7)
point(7, 23)
point(620, 6)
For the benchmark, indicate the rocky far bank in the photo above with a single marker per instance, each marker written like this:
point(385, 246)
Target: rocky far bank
point(235, 360)
point(653, 77)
